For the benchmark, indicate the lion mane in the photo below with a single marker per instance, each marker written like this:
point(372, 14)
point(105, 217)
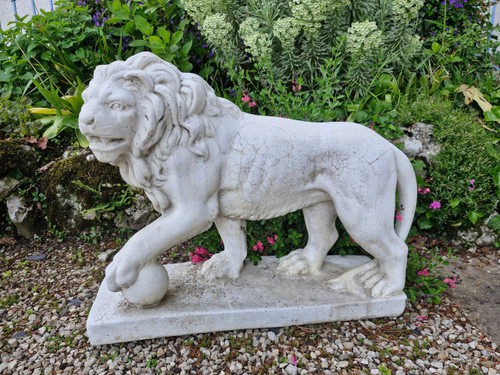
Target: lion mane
point(175, 109)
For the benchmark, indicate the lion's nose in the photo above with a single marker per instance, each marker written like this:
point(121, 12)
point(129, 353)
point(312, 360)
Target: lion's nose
point(87, 118)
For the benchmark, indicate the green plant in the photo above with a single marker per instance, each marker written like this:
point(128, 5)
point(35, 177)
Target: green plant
point(297, 37)
point(423, 278)
point(16, 121)
point(64, 114)
point(122, 199)
point(458, 188)
point(57, 46)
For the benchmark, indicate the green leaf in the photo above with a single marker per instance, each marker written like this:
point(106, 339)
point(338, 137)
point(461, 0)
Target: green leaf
point(82, 140)
point(185, 48)
point(164, 34)
point(474, 215)
point(156, 42)
point(493, 115)
point(186, 66)
point(424, 224)
point(143, 25)
point(138, 43)
point(418, 165)
point(116, 5)
point(176, 38)
point(454, 202)
point(129, 27)
point(494, 222)
point(435, 47)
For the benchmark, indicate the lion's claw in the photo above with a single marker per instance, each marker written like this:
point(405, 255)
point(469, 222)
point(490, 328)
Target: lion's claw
point(121, 273)
point(297, 263)
point(222, 265)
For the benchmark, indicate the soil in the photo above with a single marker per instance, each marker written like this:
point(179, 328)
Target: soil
point(477, 289)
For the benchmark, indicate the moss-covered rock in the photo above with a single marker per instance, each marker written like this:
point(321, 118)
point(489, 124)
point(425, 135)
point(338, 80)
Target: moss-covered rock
point(17, 157)
point(75, 185)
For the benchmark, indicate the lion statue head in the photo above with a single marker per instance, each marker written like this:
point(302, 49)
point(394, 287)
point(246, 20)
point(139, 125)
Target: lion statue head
point(137, 111)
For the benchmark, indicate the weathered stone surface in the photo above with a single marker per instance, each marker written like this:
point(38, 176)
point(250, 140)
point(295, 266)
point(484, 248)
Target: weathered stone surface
point(419, 143)
point(200, 160)
point(23, 216)
point(7, 186)
point(261, 297)
point(140, 213)
point(74, 185)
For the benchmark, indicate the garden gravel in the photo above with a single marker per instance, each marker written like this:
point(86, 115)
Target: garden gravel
point(45, 301)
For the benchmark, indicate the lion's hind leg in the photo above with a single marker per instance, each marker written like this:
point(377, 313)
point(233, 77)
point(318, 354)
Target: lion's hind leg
point(229, 262)
point(322, 234)
point(374, 231)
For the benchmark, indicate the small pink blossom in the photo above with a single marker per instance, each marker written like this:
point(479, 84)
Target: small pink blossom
point(423, 272)
point(294, 361)
point(245, 98)
point(270, 240)
point(258, 246)
point(451, 282)
point(423, 190)
point(421, 318)
point(200, 251)
point(398, 216)
point(435, 205)
point(195, 258)
point(252, 104)
point(473, 186)
point(294, 88)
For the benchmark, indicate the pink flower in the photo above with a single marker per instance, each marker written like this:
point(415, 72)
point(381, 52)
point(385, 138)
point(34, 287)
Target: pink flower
point(195, 258)
point(258, 246)
point(473, 186)
point(423, 272)
point(200, 251)
point(451, 282)
point(245, 98)
point(435, 205)
point(294, 361)
point(270, 240)
point(423, 191)
point(421, 318)
point(252, 104)
point(398, 217)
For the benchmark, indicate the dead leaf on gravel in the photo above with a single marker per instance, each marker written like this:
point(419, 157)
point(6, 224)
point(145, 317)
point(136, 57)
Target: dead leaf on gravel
point(6, 241)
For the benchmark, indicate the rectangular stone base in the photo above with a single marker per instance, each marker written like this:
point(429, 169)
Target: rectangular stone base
point(262, 297)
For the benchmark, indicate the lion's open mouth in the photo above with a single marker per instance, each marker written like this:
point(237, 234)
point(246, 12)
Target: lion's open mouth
point(105, 144)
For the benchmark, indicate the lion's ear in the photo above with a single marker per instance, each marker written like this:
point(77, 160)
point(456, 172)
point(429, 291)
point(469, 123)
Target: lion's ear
point(140, 79)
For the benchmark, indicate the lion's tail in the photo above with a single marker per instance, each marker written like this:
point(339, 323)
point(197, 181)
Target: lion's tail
point(407, 189)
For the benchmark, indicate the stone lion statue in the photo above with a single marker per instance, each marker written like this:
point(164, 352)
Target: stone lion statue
point(200, 160)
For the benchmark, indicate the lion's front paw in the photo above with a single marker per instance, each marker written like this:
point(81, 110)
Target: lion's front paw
point(383, 284)
point(222, 265)
point(298, 262)
point(121, 273)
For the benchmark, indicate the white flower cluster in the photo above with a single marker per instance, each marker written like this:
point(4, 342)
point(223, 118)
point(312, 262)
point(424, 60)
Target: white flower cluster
point(310, 14)
point(258, 43)
point(406, 10)
point(219, 32)
point(286, 30)
point(199, 9)
point(362, 38)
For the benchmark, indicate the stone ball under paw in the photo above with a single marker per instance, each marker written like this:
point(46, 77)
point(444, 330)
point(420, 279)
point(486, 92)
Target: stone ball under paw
point(150, 287)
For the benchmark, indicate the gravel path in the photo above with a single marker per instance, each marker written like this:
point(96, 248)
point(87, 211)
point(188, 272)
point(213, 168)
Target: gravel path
point(45, 300)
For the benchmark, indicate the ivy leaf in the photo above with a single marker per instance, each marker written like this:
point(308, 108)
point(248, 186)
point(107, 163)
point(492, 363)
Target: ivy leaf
point(474, 215)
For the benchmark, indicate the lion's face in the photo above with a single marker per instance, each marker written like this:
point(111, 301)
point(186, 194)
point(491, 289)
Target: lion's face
point(108, 119)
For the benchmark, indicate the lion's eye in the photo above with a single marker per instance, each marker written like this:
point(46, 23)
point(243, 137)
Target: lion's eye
point(116, 106)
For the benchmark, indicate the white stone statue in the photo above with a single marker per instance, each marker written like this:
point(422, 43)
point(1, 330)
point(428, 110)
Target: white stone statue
point(201, 160)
